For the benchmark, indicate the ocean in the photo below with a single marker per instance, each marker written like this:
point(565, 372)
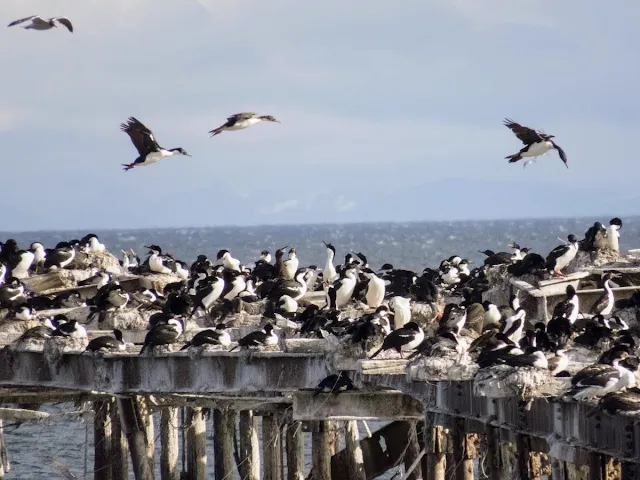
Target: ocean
point(33, 449)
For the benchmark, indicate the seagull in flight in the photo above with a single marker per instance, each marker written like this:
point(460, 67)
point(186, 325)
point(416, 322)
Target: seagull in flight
point(535, 142)
point(146, 144)
point(239, 121)
point(38, 23)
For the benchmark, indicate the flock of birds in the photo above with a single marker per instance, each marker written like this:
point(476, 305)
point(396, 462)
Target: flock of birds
point(536, 142)
point(363, 308)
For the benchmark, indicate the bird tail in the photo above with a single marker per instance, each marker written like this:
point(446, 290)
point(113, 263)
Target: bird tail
point(128, 166)
point(216, 131)
point(514, 158)
point(142, 350)
point(375, 354)
point(186, 345)
point(237, 346)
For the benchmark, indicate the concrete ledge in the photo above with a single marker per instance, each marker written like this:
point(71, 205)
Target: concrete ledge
point(213, 372)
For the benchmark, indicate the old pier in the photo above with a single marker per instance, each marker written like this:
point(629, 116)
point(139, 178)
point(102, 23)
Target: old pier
point(264, 415)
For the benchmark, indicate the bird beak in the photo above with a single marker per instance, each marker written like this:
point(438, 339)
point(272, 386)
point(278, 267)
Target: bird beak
point(187, 155)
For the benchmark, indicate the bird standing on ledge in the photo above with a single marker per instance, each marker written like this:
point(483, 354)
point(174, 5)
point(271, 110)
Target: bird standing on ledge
point(536, 143)
point(240, 121)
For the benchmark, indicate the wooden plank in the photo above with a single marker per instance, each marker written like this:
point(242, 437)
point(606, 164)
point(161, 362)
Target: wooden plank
point(356, 405)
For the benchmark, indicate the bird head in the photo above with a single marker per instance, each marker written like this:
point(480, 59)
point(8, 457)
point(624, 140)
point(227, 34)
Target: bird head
point(269, 118)
point(181, 151)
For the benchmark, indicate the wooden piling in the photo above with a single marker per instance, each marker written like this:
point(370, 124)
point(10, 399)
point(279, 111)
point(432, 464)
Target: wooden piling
point(150, 432)
point(5, 467)
point(169, 448)
point(493, 464)
point(464, 450)
point(355, 455)
point(134, 429)
point(102, 440)
point(413, 451)
point(224, 424)
point(295, 451)
point(271, 448)
point(320, 451)
point(435, 445)
point(119, 446)
point(249, 466)
point(196, 445)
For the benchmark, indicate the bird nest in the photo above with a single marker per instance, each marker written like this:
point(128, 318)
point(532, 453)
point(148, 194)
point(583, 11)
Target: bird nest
point(105, 262)
point(125, 319)
point(525, 382)
point(584, 260)
point(158, 280)
point(445, 366)
point(13, 327)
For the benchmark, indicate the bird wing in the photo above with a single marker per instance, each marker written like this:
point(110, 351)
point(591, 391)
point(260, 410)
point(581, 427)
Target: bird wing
point(141, 137)
point(525, 134)
point(64, 21)
point(31, 17)
point(563, 156)
point(241, 116)
point(558, 251)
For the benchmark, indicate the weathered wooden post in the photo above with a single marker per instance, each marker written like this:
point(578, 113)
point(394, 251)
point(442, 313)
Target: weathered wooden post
point(134, 429)
point(4, 457)
point(413, 451)
point(149, 430)
point(224, 424)
point(271, 448)
point(494, 459)
point(196, 445)
point(435, 445)
point(169, 448)
point(295, 451)
point(119, 446)
point(102, 458)
point(355, 456)
point(249, 447)
point(321, 450)
point(464, 450)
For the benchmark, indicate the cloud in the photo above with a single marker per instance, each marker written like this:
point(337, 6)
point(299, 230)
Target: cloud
point(343, 204)
point(491, 13)
point(279, 207)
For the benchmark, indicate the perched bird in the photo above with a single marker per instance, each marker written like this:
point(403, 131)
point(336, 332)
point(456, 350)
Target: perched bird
point(329, 272)
point(259, 338)
point(217, 336)
point(336, 383)
point(162, 334)
point(604, 305)
point(107, 343)
point(39, 23)
point(375, 289)
point(405, 338)
point(148, 148)
point(561, 256)
point(228, 261)
point(240, 121)
point(536, 143)
point(613, 234)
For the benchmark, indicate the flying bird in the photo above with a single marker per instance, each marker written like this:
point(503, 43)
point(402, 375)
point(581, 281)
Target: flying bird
point(146, 144)
point(38, 23)
point(239, 121)
point(536, 143)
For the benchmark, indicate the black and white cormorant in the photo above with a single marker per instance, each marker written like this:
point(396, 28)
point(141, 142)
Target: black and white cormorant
point(259, 338)
point(240, 121)
point(405, 338)
point(209, 336)
point(148, 148)
point(108, 343)
point(562, 255)
point(605, 303)
point(60, 256)
point(335, 384)
point(162, 334)
point(536, 143)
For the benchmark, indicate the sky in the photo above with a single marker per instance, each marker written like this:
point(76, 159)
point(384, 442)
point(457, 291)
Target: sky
point(376, 99)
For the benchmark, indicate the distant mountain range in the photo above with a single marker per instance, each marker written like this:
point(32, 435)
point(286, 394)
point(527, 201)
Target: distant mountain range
point(452, 199)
